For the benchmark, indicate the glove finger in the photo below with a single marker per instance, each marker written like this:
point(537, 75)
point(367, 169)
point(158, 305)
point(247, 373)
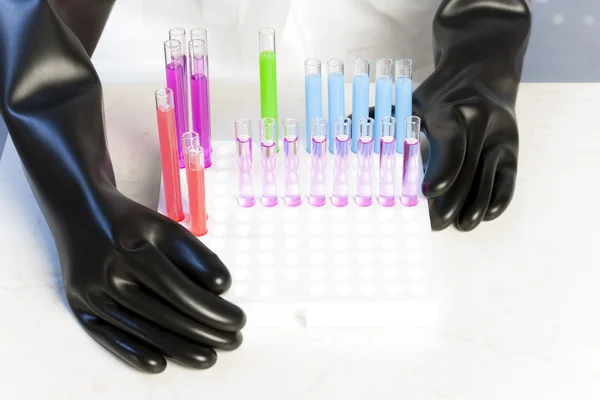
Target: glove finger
point(123, 345)
point(504, 186)
point(139, 301)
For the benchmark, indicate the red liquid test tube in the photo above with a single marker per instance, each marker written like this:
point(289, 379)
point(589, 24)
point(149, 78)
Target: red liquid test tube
point(194, 169)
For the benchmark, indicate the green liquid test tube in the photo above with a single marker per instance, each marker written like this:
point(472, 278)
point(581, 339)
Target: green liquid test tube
point(268, 76)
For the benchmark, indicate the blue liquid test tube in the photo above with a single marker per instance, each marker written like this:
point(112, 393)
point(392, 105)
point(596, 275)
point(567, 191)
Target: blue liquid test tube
point(383, 96)
point(313, 94)
point(360, 96)
point(403, 68)
point(335, 96)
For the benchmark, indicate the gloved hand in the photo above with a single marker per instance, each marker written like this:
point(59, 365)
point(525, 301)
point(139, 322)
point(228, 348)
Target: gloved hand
point(141, 285)
point(467, 108)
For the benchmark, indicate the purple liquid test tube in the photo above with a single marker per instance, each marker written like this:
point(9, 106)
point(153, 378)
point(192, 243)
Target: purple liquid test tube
point(341, 162)
point(243, 142)
point(317, 195)
point(202, 34)
point(291, 146)
point(174, 70)
point(364, 170)
point(268, 161)
point(199, 90)
point(410, 172)
point(387, 162)
point(179, 34)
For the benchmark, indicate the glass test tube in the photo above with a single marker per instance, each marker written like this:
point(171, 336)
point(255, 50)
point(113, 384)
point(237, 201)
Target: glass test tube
point(383, 95)
point(364, 170)
point(268, 77)
point(317, 195)
point(403, 97)
point(313, 94)
point(194, 171)
point(243, 138)
point(411, 173)
point(291, 147)
point(202, 34)
point(341, 163)
point(199, 95)
point(174, 70)
point(169, 158)
point(387, 162)
point(360, 96)
point(179, 34)
point(268, 161)
point(335, 96)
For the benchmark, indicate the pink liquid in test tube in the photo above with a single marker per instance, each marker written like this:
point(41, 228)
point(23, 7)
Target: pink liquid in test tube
point(387, 162)
point(364, 153)
point(243, 138)
point(194, 169)
point(410, 172)
point(341, 162)
point(291, 146)
point(199, 95)
point(318, 162)
point(174, 70)
point(268, 161)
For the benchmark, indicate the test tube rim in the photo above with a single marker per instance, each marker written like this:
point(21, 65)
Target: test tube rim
point(182, 31)
point(266, 31)
point(263, 123)
point(362, 62)
point(384, 68)
point(194, 31)
point(413, 120)
point(173, 48)
point(402, 63)
point(243, 122)
point(166, 93)
point(347, 123)
point(194, 43)
point(324, 123)
point(285, 123)
point(335, 63)
point(308, 63)
point(391, 122)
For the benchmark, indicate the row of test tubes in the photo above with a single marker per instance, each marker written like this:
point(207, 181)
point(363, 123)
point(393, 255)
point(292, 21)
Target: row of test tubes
point(318, 162)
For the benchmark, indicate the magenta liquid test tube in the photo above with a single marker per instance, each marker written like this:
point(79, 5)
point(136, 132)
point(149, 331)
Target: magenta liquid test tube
point(317, 195)
point(243, 142)
point(199, 95)
point(291, 146)
point(174, 70)
point(364, 168)
point(411, 173)
point(202, 34)
point(387, 162)
point(179, 34)
point(268, 161)
point(341, 162)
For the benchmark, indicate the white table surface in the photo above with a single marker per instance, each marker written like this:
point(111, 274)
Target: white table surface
point(519, 296)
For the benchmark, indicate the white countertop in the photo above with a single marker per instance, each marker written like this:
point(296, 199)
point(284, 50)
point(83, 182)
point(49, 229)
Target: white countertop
point(519, 296)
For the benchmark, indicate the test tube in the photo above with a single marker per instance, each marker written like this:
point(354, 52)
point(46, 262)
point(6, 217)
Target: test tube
point(341, 163)
point(199, 91)
point(383, 95)
point(360, 96)
point(313, 93)
point(387, 162)
point(411, 173)
point(243, 138)
point(268, 77)
point(291, 146)
point(318, 162)
point(268, 161)
point(179, 34)
point(403, 97)
point(364, 155)
point(202, 34)
point(335, 96)
point(194, 171)
point(174, 70)
point(167, 136)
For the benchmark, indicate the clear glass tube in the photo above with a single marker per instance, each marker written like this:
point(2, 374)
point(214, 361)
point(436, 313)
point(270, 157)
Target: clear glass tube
point(317, 195)
point(243, 138)
point(387, 162)
point(199, 95)
point(364, 169)
point(179, 34)
point(291, 147)
point(411, 156)
point(174, 70)
point(360, 96)
point(403, 98)
point(268, 77)
point(313, 94)
point(341, 162)
point(383, 95)
point(335, 96)
point(194, 170)
point(268, 161)
point(169, 158)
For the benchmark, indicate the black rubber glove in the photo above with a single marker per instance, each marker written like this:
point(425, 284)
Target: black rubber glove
point(468, 109)
point(140, 284)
